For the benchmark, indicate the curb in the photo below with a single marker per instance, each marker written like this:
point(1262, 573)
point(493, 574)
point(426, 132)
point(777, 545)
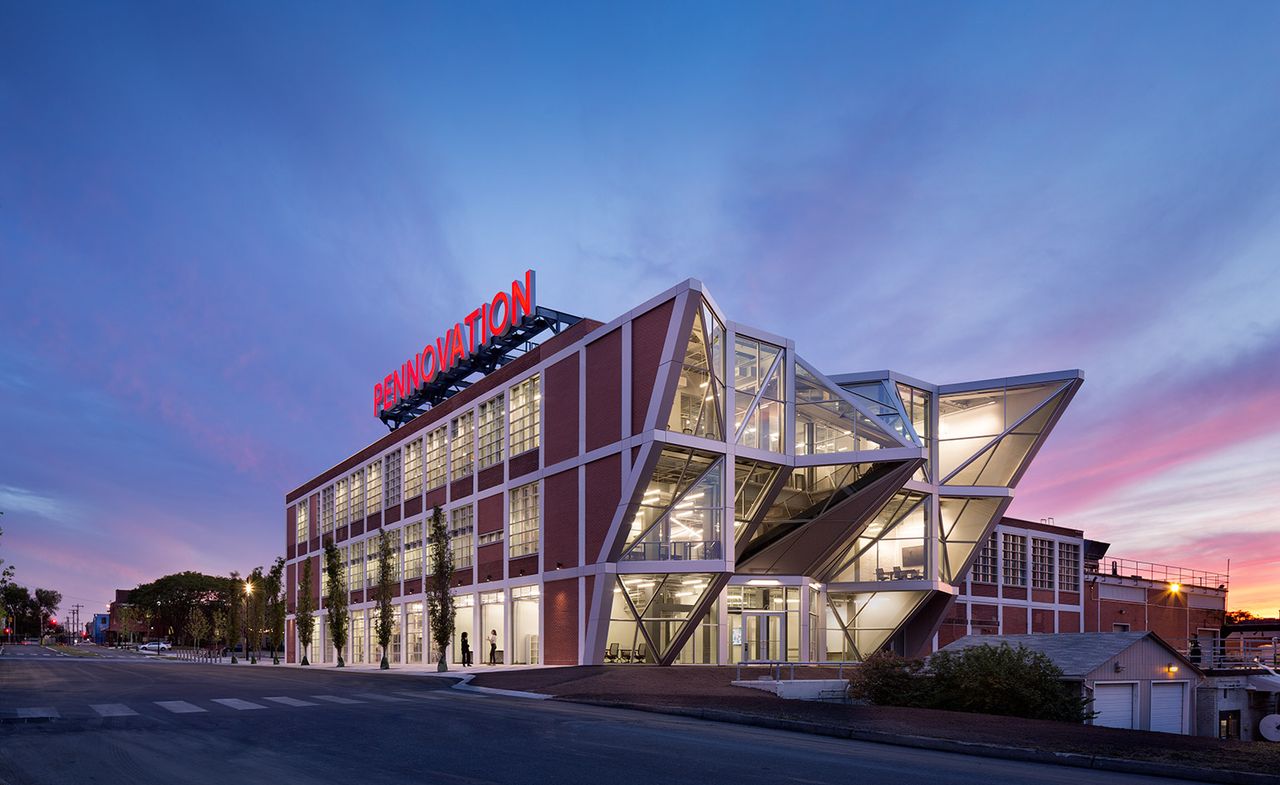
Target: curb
point(465, 685)
point(1072, 759)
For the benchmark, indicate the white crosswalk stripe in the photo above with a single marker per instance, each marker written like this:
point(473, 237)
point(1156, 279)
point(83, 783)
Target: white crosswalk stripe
point(38, 712)
point(237, 704)
point(113, 710)
point(373, 696)
point(179, 707)
point(289, 701)
point(335, 699)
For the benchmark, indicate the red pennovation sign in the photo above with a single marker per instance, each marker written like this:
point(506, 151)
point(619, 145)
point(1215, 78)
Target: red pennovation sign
point(490, 321)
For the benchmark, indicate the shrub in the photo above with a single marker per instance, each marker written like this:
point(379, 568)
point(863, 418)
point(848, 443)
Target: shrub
point(1017, 682)
point(886, 679)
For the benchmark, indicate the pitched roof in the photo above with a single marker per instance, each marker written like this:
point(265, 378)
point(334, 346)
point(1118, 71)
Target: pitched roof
point(1076, 653)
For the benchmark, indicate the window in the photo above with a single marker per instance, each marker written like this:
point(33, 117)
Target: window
point(340, 494)
point(437, 458)
point(355, 580)
point(301, 522)
point(371, 563)
point(526, 416)
point(373, 487)
point(491, 430)
point(413, 468)
point(758, 370)
point(1068, 566)
point(984, 567)
point(523, 539)
point(326, 510)
point(460, 443)
point(1119, 627)
point(1015, 560)
point(490, 538)
point(357, 496)
point(392, 466)
point(462, 536)
point(1041, 563)
point(413, 551)
point(699, 403)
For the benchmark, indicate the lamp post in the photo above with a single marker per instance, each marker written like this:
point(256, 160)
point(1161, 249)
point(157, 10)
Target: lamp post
point(248, 590)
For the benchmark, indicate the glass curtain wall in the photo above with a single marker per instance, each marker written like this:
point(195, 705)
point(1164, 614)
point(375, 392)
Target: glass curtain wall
point(892, 546)
point(681, 512)
point(648, 613)
point(759, 374)
point(492, 622)
point(525, 604)
point(358, 641)
point(413, 632)
point(764, 623)
point(700, 389)
point(464, 621)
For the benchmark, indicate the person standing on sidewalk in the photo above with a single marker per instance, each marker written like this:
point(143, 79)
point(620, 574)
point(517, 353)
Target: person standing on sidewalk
point(493, 647)
point(466, 651)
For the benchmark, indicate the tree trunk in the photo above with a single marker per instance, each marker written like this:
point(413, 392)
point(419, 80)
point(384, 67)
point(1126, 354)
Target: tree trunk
point(340, 662)
point(385, 665)
point(442, 666)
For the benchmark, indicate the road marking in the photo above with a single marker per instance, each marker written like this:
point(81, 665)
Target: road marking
point(113, 710)
point(373, 696)
point(179, 707)
point(290, 701)
point(237, 704)
point(415, 695)
point(335, 699)
point(39, 712)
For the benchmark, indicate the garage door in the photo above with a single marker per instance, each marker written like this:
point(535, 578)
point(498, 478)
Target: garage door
point(1167, 701)
point(1114, 704)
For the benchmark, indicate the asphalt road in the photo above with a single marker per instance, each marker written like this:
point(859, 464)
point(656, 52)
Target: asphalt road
point(151, 721)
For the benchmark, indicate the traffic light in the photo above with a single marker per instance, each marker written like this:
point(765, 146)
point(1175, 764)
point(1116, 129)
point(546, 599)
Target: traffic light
point(53, 621)
point(8, 630)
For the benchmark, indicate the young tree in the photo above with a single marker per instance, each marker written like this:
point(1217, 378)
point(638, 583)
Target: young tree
point(197, 625)
point(306, 618)
point(385, 582)
point(275, 594)
point(439, 600)
point(235, 613)
point(6, 574)
point(336, 598)
point(47, 600)
point(127, 616)
point(255, 614)
point(219, 625)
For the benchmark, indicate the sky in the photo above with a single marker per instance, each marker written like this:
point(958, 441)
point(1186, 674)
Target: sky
point(221, 222)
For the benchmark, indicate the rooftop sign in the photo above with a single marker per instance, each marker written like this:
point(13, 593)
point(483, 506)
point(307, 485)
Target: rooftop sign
point(483, 328)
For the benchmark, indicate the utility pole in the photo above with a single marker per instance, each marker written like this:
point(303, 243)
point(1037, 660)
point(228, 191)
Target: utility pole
point(77, 629)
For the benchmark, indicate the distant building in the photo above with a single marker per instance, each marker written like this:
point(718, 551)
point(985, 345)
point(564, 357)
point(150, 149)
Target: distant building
point(1133, 679)
point(1037, 577)
point(115, 632)
point(97, 628)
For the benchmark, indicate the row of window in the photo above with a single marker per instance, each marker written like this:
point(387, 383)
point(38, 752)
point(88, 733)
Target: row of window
point(446, 452)
point(361, 558)
point(1013, 567)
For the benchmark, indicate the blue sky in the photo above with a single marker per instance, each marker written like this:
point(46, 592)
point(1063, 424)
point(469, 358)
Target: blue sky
point(219, 225)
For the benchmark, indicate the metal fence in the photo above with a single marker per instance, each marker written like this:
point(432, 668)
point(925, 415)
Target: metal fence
point(1132, 568)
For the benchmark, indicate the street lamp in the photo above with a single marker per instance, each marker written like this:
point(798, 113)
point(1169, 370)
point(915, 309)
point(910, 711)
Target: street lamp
point(248, 590)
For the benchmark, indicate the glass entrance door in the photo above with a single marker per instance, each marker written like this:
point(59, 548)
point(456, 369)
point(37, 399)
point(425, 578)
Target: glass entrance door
point(763, 636)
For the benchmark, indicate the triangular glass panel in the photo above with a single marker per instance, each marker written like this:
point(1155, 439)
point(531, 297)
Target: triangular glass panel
point(676, 470)
point(698, 405)
point(869, 619)
point(891, 546)
point(751, 480)
point(690, 528)
point(962, 528)
point(1018, 401)
point(1000, 462)
point(672, 609)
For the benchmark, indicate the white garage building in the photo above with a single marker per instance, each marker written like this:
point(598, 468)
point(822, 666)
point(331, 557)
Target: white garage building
point(1135, 679)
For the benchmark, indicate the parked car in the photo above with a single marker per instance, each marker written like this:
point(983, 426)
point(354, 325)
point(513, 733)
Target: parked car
point(154, 646)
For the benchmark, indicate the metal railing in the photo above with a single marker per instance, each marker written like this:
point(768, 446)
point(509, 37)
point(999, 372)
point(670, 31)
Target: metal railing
point(198, 655)
point(777, 666)
point(1132, 568)
point(1230, 653)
